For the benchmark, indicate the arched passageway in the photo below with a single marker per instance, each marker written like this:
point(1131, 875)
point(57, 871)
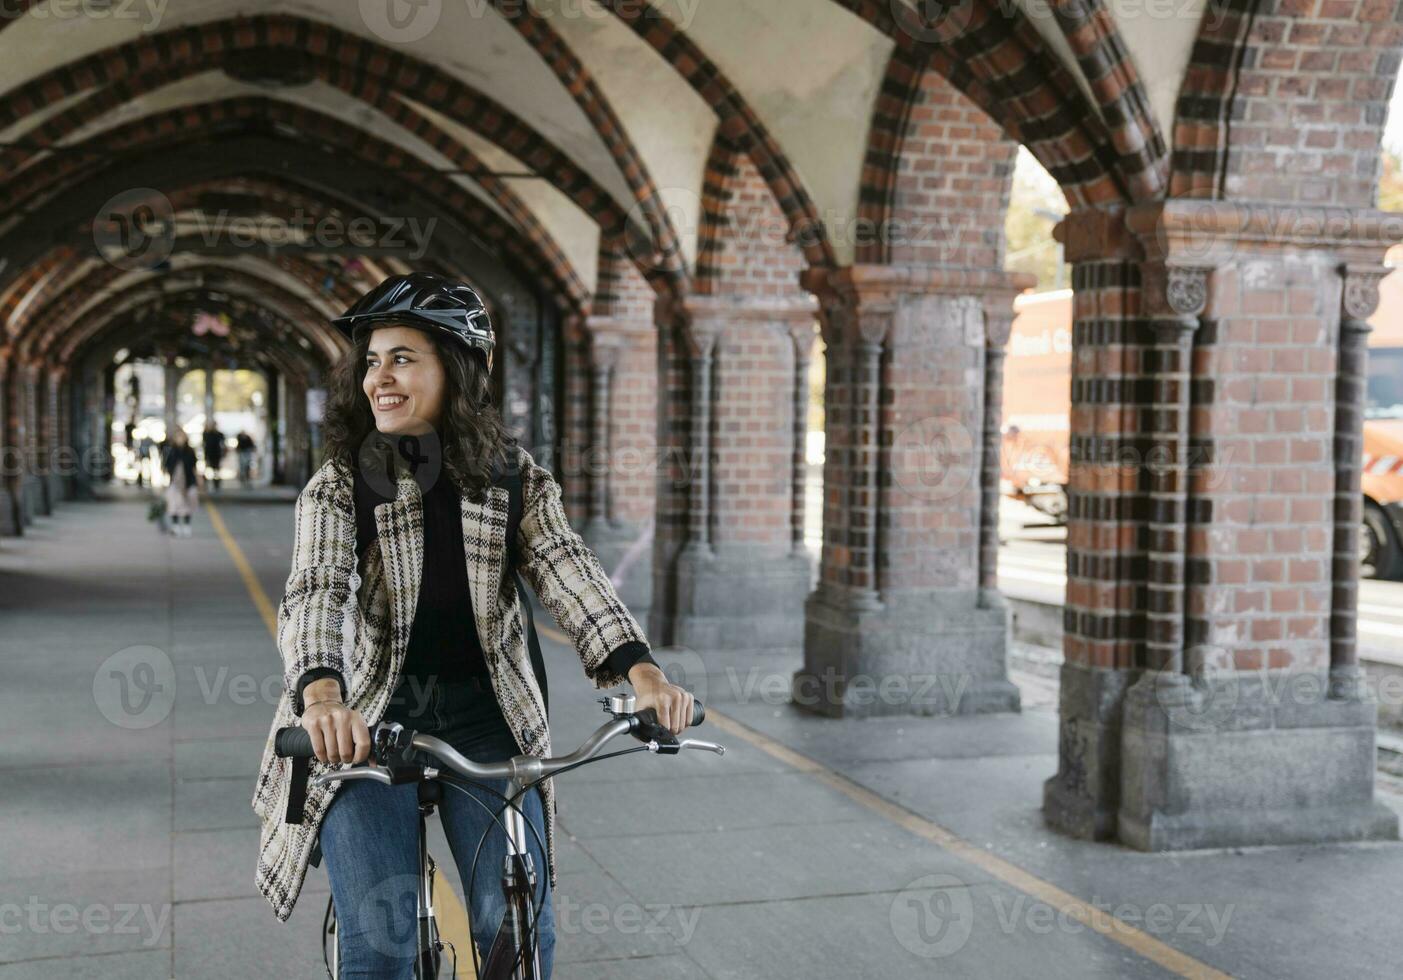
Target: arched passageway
point(679, 216)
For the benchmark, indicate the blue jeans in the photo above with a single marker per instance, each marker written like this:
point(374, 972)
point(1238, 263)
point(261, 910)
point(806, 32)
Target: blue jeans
point(370, 842)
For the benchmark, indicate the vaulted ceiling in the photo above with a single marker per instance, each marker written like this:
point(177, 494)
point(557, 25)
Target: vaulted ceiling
point(546, 131)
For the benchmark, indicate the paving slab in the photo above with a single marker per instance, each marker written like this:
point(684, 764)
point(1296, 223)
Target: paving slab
point(745, 865)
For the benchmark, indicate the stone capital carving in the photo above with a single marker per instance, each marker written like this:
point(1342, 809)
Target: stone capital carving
point(604, 351)
point(1361, 290)
point(701, 337)
point(1174, 291)
point(1186, 288)
point(871, 328)
point(997, 329)
point(802, 334)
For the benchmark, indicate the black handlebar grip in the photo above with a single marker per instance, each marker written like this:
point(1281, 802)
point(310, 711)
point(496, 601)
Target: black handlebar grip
point(292, 743)
point(698, 712)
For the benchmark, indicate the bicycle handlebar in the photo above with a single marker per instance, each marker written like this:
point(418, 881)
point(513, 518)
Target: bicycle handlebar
point(295, 742)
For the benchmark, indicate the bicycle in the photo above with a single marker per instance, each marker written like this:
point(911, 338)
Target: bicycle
point(514, 954)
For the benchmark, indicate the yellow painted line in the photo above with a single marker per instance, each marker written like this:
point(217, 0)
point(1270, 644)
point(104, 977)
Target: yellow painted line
point(453, 927)
point(260, 598)
point(452, 916)
point(1096, 919)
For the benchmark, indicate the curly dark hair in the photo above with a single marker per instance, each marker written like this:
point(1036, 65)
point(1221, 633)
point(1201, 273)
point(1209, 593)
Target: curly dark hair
point(471, 431)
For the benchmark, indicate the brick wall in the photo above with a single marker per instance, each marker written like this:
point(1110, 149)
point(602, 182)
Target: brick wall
point(744, 249)
point(753, 426)
point(1103, 624)
point(633, 431)
point(1258, 562)
point(952, 183)
point(1301, 121)
point(931, 422)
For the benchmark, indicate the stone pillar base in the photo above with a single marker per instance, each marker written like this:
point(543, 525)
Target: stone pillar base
point(1082, 799)
point(740, 598)
point(9, 512)
point(30, 498)
point(915, 655)
point(57, 487)
point(1247, 759)
point(626, 553)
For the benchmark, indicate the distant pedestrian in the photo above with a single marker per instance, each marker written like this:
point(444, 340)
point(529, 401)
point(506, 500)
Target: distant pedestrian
point(143, 460)
point(214, 452)
point(245, 447)
point(182, 494)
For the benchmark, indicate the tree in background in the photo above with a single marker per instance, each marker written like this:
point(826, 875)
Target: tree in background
point(1035, 204)
point(1391, 183)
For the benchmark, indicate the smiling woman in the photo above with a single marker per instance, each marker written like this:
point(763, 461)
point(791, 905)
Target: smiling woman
point(430, 342)
point(439, 638)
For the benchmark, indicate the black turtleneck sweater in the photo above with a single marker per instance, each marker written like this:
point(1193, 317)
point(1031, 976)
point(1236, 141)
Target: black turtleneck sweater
point(443, 641)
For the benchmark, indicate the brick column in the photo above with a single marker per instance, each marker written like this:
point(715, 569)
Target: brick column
point(998, 325)
point(1232, 736)
point(739, 583)
point(617, 465)
point(11, 459)
point(603, 355)
point(173, 374)
point(574, 418)
point(1359, 298)
point(802, 334)
point(33, 502)
point(1103, 622)
point(1173, 299)
point(58, 451)
point(899, 623)
point(300, 465)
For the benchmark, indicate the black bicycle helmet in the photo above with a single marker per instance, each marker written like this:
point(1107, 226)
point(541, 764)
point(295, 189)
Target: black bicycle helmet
point(424, 299)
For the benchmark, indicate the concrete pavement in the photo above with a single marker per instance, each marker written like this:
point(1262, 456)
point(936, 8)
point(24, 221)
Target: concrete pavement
point(137, 687)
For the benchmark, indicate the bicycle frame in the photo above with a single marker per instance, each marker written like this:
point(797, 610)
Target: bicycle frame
point(391, 743)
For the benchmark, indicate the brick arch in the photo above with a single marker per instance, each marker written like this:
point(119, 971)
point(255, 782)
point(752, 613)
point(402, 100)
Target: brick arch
point(23, 286)
point(1281, 104)
point(742, 248)
point(74, 293)
point(556, 53)
point(62, 345)
point(354, 84)
point(368, 63)
point(620, 290)
point(60, 286)
point(157, 134)
point(59, 295)
point(739, 124)
point(937, 180)
point(1001, 64)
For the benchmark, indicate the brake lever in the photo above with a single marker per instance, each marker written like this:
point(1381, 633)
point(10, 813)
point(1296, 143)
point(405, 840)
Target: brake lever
point(696, 743)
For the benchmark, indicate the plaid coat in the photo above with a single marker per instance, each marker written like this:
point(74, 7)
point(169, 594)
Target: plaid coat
point(358, 622)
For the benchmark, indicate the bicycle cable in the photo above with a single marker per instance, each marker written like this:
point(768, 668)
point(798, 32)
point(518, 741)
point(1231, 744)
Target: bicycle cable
point(537, 903)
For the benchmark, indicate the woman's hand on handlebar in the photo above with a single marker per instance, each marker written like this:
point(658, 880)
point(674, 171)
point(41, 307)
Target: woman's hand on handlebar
point(651, 689)
point(338, 733)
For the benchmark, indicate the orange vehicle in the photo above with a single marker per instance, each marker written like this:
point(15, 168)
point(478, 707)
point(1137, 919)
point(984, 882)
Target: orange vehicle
point(1037, 397)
